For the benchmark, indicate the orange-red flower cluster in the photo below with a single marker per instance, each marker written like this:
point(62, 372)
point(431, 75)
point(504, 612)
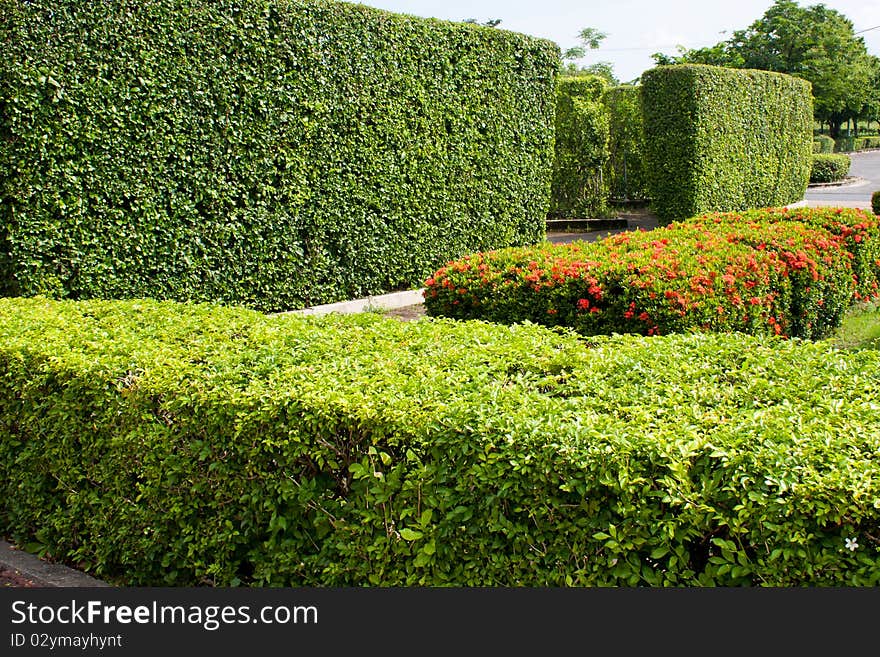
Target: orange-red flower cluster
point(796, 271)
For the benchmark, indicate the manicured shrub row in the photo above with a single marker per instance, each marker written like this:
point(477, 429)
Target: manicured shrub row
point(720, 139)
point(829, 167)
point(850, 144)
point(273, 154)
point(823, 144)
point(624, 171)
point(173, 444)
point(763, 272)
point(578, 188)
point(866, 143)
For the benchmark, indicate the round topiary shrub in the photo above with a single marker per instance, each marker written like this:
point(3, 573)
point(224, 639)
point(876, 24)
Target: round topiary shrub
point(829, 167)
point(875, 202)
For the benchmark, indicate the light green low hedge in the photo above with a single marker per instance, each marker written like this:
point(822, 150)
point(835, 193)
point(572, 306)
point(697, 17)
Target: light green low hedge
point(161, 443)
point(854, 144)
point(867, 143)
point(829, 167)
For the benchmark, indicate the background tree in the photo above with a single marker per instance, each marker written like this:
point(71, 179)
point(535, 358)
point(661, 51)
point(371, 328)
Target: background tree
point(492, 22)
point(871, 109)
point(590, 39)
point(815, 43)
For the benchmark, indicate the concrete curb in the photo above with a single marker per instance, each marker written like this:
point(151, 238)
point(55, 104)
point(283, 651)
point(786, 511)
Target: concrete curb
point(380, 302)
point(849, 181)
point(43, 573)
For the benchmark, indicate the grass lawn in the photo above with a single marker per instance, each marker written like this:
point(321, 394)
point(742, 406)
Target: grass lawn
point(860, 328)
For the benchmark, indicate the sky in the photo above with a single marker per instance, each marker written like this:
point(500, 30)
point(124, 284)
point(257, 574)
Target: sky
point(635, 28)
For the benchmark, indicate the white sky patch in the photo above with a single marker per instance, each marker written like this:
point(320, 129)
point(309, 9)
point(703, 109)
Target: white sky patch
point(635, 28)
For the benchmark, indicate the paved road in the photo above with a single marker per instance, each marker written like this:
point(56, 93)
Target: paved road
point(865, 165)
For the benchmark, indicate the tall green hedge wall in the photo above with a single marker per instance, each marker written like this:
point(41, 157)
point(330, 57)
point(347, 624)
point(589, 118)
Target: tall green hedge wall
point(625, 173)
point(719, 139)
point(579, 189)
point(271, 153)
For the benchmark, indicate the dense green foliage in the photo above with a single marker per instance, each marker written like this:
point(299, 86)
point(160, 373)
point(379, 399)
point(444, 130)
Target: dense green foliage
point(829, 167)
point(624, 170)
point(578, 188)
point(790, 273)
point(720, 139)
point(273, 153)
point(875, 202)
point(867, 143)
point(823, 144)
point(815, 43)
point(175, 444)
point(852, 144)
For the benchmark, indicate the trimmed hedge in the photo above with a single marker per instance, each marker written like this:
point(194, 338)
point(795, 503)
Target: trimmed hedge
point(721, 139)
point(172, 444)
point(579, 189)
point(625, 171)
point(761, 272)
point(829, 167)
point(867, 143)
point(823, 144)
point(274, 154)
point(853, 144)
point(875, 202)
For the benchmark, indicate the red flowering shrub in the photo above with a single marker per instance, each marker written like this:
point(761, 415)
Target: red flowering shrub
point(760, 273)
point(819, 283)
point(859, 229)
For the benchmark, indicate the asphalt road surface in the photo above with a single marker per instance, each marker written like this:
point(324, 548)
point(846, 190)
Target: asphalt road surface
point(865, 165)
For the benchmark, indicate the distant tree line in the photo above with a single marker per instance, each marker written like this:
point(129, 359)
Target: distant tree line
point(815, 43)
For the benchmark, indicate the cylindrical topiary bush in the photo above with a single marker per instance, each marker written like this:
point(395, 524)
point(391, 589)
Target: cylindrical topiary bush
point(829, 167)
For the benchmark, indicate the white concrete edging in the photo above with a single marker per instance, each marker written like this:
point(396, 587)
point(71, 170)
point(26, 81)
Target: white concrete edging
point(379, 302)
point(849, 181)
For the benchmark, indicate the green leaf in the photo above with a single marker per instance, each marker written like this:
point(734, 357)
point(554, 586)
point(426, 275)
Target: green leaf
point(659, 552)
point(410, 534)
